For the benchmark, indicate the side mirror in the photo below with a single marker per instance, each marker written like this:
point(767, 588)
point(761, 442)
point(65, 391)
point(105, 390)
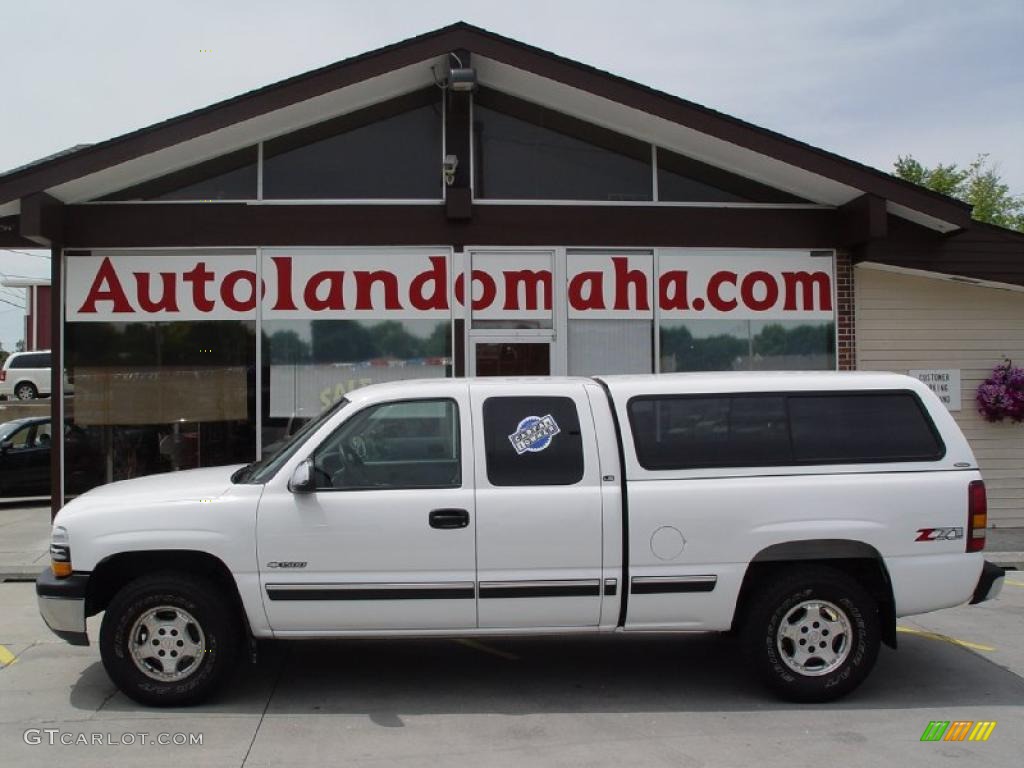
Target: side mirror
point(6, 445)
point(302, 478)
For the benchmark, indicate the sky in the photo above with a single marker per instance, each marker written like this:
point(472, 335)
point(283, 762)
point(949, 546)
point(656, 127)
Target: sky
point(940, 79)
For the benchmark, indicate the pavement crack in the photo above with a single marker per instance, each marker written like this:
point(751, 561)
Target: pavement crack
point(103, 703)
point(270, 698)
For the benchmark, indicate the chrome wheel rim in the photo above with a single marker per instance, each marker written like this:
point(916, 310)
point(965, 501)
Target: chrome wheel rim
point(25, 392)
point(167, 643)
point(814, 638)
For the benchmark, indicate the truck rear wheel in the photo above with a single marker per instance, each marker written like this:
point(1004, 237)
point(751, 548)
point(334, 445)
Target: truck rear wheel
point(169, 639)
point(813, 634)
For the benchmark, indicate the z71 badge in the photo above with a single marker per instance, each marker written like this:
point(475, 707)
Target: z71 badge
point(939, 534)
point(533, 434)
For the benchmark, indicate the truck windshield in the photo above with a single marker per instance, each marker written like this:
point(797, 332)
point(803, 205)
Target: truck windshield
point(260, 471)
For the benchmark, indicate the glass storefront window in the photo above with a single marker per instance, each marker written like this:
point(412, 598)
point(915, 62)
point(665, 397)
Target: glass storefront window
point(157, 397)
point(747, 345)
point(309, 365)
point(610, 346)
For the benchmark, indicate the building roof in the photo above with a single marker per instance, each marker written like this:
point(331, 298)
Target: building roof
point(88, 171)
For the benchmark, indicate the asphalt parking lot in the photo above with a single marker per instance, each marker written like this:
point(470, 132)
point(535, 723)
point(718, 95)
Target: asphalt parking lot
point(652, 700)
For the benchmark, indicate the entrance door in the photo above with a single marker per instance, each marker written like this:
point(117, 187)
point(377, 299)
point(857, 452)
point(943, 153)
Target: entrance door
point(511, 356)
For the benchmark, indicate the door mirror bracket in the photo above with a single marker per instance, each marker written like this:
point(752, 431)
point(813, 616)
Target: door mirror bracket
point(302, 478)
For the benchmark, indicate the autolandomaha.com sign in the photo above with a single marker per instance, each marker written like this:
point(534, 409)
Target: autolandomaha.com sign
point(432, 283)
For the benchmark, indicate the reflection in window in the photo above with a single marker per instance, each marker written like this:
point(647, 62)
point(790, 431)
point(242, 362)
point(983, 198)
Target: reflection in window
point(313, 363)
point(527, 152)
point(158, 397)
point(683, 432)
point(230, 177)
point(392, 150)
point(747, 345)
point(410, 444)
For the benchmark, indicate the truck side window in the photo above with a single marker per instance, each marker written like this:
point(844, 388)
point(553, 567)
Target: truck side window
point(532, 441)
point(862, 428)
point(407, 444)
point(685, 432)
point(783, 429)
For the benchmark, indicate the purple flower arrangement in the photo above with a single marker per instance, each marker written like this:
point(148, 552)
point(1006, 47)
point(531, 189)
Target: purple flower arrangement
point(1002, 394)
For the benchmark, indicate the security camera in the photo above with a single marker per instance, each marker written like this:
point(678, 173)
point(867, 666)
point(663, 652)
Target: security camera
point(451, 162)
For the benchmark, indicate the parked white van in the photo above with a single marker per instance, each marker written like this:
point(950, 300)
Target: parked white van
point(804, 512)
point(26, 375)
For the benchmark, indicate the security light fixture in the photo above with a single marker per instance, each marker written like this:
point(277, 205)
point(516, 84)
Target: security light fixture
point(462, 79)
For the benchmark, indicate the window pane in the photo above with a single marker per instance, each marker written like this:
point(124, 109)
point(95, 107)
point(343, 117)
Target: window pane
point(705, 345)
point(683, 179)
point(412, 444)
point(610, 346)
point(742, 345)
point(532, 441)
point(158, 397)
point(513, 359)
point(550, 157)
point(686, 432)
point(394, 156)
point(231, 177)
point(793, 345)
point(862, 428)
point(311, 364)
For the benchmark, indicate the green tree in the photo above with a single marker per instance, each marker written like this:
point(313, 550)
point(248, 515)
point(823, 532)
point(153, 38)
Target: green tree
point(978, 184)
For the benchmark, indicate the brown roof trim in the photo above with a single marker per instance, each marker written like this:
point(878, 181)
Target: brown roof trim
point(44, 175)
point(237, 224)
point(980, 252)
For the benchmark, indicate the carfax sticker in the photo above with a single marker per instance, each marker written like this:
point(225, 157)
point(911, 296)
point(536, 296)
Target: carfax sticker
point(534, 434)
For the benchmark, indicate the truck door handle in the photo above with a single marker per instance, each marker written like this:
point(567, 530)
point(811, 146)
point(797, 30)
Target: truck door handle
point(449, 518)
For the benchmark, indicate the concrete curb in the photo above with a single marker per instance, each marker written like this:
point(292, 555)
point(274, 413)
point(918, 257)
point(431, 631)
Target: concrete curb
point(1007, 559)
point(19, 572)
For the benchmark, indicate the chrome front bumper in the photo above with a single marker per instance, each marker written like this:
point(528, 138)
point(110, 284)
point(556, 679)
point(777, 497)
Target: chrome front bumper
point(62, 605)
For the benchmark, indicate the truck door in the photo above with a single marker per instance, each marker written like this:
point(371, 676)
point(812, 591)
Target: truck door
point(538, 504)
point(387, 541)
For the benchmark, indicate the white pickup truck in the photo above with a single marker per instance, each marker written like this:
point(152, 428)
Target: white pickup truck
point(802, 512)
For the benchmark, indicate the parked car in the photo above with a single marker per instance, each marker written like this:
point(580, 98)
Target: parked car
point(804, 512)
point(25, 446)
point(26, 376)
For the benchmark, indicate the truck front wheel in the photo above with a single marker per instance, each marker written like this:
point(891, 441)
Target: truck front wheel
point(812, 634)
point(169, 639)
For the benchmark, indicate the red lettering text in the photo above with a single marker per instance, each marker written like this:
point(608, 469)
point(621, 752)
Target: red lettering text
point(106, 275)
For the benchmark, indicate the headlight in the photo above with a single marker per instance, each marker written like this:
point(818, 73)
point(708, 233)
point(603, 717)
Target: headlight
point(60, 552)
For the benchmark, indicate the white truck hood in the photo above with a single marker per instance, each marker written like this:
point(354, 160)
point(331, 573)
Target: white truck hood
point(187, 485)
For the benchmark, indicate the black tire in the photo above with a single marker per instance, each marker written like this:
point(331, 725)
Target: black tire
point(25, 390)
point(197, 598)
point(774, 658)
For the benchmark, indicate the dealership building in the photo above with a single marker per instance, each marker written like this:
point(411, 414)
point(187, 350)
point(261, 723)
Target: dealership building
point(462, 204)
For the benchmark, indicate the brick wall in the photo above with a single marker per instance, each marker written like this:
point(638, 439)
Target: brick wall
point(846, 343)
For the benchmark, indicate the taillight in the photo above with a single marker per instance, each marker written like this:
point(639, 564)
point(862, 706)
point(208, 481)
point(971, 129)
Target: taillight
point(977, 515)
point(3, 375)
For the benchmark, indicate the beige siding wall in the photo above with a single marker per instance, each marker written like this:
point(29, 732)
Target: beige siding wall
point(906, 321)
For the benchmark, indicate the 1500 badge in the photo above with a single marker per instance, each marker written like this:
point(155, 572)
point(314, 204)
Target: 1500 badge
point(939, 534)
point(286, 564)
